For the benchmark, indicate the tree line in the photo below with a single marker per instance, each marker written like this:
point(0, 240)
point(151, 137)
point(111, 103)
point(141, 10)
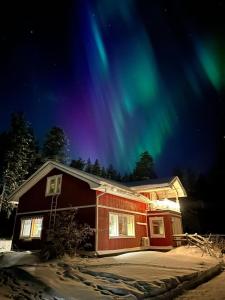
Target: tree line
point(21, 154)
point(144, 169)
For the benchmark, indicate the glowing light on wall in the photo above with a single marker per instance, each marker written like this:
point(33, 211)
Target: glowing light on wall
point(166, 204)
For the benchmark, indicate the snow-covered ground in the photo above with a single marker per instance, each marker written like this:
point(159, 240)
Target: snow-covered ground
point(211, 290)
point(11, 258)
point(127, 276)
point(5, 245)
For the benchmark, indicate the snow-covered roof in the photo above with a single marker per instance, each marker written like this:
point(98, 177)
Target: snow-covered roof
point(130, 191)
point(95, 182)
point(152, 182)
point(157, 184)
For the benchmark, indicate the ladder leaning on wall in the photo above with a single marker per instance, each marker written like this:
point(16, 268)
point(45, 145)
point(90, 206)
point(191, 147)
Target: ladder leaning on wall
point(52, 216)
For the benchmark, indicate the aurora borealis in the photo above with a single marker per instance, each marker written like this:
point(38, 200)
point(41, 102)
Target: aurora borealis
point(120, 77)
point(123, 87)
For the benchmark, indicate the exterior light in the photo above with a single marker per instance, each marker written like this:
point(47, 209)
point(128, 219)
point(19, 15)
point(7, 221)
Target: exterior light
point(166, 204)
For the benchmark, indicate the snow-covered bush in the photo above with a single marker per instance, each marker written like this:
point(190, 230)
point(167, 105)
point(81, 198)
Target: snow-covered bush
point(66, 236)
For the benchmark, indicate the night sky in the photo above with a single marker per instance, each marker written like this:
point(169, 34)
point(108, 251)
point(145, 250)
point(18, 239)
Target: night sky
point(119, 76)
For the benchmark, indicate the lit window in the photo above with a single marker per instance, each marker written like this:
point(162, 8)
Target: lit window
point(31, 228)
point(53, 186)
point(113, 225)
point(25, 228)
point(121, 225)
point(157, 227)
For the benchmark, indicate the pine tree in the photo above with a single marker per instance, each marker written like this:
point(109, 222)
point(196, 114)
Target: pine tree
point(125, 177)
point(118, 177)
point(56, 146)
point(89, 166)
point(103, 172)
point(20, 156)
point(4, 147)
point(78, 164)
point(96, 169)
point(111, 173)
point(144, 167)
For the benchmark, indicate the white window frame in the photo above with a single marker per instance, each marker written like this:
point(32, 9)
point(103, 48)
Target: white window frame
point(117, 225)
point(30, 236)
point(49, 179)
point(153, 235)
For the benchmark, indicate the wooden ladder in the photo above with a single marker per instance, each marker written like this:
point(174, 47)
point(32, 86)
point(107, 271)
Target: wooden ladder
point(53, 208)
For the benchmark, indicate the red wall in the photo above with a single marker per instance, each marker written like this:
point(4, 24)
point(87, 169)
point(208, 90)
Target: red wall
point(77, 193)
point(74, 192)
point(167, 216)
point(106, 243)
point(34, 244)
point(121, 203)
point(84, 215)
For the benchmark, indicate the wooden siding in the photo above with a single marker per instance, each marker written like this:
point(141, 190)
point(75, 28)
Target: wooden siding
point(84, 215)
point(74, 192)
point(167, 217)
point(34, 244)
point(117, 205)
point(121, 203)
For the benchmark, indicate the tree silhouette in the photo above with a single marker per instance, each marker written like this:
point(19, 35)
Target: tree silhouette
point(56, 145)
point(144, 167)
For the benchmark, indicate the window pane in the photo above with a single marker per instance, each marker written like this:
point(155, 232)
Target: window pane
point(130, 225)
point(58, 186)
point(36, 227)
point(122, 225)
point(52, 186)
point(113, 225)
point(157, 226)
point(156, 229)
point(26, 226)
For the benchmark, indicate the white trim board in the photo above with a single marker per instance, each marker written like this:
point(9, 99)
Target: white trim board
point(82, 206)
point(57, 209)
point(123, 210)
point(155, 213)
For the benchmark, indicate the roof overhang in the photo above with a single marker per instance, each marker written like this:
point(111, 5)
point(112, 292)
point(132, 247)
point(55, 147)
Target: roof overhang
point(114, 190)
point(42, 172)
point(94, 182)
point(175, 184)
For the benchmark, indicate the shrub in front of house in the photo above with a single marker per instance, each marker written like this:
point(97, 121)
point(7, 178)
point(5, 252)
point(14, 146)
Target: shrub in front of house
point(66, 236)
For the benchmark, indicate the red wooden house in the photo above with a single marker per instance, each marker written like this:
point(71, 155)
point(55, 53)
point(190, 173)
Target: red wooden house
point(143, 215)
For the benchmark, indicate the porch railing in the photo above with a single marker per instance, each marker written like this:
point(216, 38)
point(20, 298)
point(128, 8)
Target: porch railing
point(212, 244)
